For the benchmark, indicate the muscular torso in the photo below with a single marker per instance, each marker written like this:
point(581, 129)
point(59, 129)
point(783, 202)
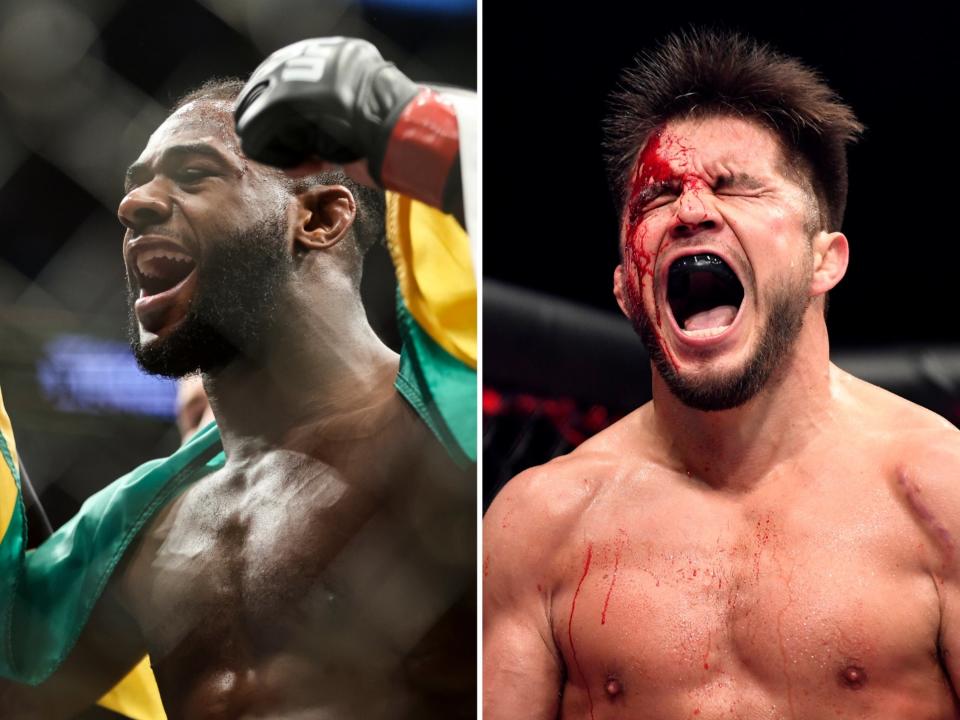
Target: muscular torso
point(315, 584)
point(814, 594)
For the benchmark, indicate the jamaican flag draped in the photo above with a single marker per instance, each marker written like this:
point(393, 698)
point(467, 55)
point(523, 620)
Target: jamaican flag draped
point(47, 594)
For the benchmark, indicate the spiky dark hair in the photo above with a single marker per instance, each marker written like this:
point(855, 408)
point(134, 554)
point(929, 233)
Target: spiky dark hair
point(704, 72)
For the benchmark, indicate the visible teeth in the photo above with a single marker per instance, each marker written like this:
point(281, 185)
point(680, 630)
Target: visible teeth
point(147, 266)
point(706, 332)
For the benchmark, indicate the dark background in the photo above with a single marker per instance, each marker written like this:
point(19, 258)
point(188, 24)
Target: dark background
point(560, 361)
point(83, 83)
point(550, 221)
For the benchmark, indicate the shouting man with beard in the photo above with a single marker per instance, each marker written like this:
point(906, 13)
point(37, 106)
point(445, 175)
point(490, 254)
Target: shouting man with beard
point(312, 554)
point(769, 537)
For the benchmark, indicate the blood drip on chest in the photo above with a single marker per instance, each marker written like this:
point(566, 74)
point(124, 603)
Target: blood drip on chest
point(621, 539)
point(573, 608)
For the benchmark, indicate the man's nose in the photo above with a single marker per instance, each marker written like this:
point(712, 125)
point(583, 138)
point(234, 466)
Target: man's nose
point(144, 206)
point(695, 212)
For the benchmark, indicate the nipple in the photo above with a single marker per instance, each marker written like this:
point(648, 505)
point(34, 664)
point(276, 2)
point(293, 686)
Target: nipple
point(853, 677)
point(613, 687)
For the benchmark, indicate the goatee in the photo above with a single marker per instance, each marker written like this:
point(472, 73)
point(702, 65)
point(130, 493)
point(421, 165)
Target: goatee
point(237, 299)
point(731, 389)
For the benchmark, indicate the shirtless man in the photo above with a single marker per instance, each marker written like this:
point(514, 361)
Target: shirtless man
point(769, 537)
point(326, 567)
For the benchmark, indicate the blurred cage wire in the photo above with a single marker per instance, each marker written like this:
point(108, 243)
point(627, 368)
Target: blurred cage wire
point(556, 373)
point(83, 83)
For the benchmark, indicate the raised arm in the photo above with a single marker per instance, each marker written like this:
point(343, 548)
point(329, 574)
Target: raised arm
point(329, 102)
point(336, 100)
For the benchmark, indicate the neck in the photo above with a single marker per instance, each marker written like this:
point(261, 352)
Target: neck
point(322, 370)
point(738, 448)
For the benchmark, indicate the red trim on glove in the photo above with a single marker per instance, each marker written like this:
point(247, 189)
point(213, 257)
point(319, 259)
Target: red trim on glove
point(422, 148)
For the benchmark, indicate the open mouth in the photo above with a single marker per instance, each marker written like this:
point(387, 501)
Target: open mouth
point(160, 269)
point(167, 278)
point(704, 294)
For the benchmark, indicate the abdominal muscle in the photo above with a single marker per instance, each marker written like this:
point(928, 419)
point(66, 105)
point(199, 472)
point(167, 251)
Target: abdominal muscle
point(334, 666)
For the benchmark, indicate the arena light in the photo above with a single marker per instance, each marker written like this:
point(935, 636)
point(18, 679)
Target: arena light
point(83, 374)
point(439, 7)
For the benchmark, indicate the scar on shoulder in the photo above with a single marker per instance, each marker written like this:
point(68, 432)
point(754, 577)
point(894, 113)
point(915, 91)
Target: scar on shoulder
point(921, 510)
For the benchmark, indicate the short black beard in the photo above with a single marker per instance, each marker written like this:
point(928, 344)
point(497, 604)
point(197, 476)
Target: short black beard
point(236, 302)
point(736, 387)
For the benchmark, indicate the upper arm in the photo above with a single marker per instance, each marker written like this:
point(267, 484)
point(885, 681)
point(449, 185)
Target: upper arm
point(522, 667)
point(929, 486)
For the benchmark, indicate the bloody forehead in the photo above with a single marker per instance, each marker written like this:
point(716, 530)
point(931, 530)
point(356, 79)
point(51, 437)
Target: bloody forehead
point(668, 153)
point(656, 164)
point(670, 157)
point(655, 161)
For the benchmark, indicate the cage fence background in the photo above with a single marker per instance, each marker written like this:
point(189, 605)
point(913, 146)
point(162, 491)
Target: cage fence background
point(82, 86)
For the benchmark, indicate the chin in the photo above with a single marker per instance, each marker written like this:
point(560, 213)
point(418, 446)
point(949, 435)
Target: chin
point(193, 346)
point(712, 387)
point(714, 391)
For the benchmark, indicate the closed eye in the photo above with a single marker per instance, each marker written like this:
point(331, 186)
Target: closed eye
point(664, 198)
point(657, 195)
point(740, 185)
point(736, 192)
point(644, 203)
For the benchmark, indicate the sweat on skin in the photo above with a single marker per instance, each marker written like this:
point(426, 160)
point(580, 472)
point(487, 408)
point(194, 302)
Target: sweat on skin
point(767, 559)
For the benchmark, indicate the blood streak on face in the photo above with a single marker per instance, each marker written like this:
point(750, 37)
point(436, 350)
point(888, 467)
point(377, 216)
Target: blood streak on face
point(657, 163)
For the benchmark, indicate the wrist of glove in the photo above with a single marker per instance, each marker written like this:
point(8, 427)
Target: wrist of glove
point(422, 152)
point(338, 100)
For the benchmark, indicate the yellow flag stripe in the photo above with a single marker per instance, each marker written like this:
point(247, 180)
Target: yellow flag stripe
point(431, 254)
point(8, 464)
point(136, 696)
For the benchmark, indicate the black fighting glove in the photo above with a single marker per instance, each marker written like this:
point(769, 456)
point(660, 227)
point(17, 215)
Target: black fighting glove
point(338, 100)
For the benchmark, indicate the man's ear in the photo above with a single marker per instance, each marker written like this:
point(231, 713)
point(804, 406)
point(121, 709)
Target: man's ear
point(831, 253)
point(618, 289)
point(324, 216)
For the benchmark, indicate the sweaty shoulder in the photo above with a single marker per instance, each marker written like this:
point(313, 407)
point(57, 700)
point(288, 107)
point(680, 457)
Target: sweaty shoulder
point(921, 452)
point(540, 508)
point(875, 410)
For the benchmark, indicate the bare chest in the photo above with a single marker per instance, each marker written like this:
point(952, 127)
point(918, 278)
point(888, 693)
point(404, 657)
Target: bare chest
point(300, 588)
point(749, 608)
